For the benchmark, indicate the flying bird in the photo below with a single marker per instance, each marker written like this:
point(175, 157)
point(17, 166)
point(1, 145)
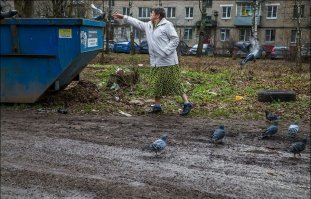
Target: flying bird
point(271, 117)
point(158, 145)
point(253, 49)
point(271, 130)
point(293, 129)
point(218, 134)
point(101, 15)
point(297, 147)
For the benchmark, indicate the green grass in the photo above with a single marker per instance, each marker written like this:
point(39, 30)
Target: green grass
point(211, 84)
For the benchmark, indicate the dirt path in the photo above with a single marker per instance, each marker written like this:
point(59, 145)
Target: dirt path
point(88, 156)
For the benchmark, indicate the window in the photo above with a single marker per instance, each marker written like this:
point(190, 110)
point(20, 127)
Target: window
point(126, 11)
point(293, 36)
point(189, 13)
point(271, 12)
point(245, 34)
point(123, 32)
point(187, 33)
point(137, 33)
point(244, 9)
point(270, 35)
point(224, 34)
point(144, 12)
point(302, 8)
point(170, 12)
point(209, 3)
point(226, 12)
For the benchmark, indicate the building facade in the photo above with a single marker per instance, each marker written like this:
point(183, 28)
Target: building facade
point(227, 20)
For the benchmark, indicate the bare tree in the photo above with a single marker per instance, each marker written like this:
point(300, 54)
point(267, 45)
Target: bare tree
point(25, 8)
point(202, 6)
point(298, 7)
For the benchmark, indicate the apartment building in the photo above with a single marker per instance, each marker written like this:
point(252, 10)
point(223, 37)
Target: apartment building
point(227, 20)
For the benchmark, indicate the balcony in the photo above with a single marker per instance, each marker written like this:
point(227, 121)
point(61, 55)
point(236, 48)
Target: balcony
point(246, 21)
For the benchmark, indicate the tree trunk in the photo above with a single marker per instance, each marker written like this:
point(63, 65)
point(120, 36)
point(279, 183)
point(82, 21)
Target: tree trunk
point(25, 8)
point(202, 27)
point(298, 56)
point(59, 7)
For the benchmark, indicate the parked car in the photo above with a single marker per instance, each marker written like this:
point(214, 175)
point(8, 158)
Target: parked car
point(242, 49)
point(182, 48)
point(207, 49)
point(110, 43)
point(124, 47)
point(306, 50)
point(143, 47)
point(279, 52)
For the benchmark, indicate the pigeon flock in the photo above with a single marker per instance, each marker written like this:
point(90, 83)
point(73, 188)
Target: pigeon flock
point(159, 145)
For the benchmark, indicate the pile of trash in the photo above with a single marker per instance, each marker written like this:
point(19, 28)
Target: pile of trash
point(76, 92)
point(122, 78)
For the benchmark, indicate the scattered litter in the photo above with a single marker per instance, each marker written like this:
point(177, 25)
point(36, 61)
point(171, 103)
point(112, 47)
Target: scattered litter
point(101, 84)
point(117, 98)
point(126, 114)
point(45, 110)
point(115, 86)
point(120, 71)
point(137, 102)
point(62, 111)
point(140, 65)
point(238, 98)
point(212, 93)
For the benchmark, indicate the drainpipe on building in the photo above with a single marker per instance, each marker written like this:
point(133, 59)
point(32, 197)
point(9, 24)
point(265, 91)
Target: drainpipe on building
point(215, 33)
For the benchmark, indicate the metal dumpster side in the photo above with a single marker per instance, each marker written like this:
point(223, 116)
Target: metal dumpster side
point(37, 54)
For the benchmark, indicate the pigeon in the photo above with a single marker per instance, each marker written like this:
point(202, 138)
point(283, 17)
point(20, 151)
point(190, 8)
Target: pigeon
point(218, 134)
point(254, 53)
point(158, 145)
point(102, 14)
point(271, 117)
point(7, 14)
point(293, 129)
point(271, 130)
point(297, 147)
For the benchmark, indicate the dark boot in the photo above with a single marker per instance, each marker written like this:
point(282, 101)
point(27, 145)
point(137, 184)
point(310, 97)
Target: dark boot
point(155, 109)
point(186, 109)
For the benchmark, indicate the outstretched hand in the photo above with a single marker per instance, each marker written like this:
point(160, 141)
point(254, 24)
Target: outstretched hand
point(117, 15)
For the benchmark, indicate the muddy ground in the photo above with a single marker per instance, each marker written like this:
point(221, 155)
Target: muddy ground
point(45, 154)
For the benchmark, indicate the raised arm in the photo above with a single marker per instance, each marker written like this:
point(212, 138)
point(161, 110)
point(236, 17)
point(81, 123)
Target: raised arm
point(130, 20)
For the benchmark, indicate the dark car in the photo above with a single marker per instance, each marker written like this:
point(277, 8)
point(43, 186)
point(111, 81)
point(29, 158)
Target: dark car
point(143, 47)
point(279, 52)
point(306, 50)
point(182, 48)
point(124, 47)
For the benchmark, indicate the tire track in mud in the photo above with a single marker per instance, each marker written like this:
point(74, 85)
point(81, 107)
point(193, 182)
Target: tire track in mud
point(79, 158)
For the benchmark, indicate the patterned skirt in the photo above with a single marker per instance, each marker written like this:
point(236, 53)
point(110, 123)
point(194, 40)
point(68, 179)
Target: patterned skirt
point(166, 81)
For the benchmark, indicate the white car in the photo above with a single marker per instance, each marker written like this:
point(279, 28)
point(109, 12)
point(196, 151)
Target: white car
point(207, 49)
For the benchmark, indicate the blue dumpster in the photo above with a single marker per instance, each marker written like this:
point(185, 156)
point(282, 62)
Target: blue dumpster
point(41, 54)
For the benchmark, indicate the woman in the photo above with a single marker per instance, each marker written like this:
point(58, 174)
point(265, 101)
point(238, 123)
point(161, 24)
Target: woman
point(162, 42)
